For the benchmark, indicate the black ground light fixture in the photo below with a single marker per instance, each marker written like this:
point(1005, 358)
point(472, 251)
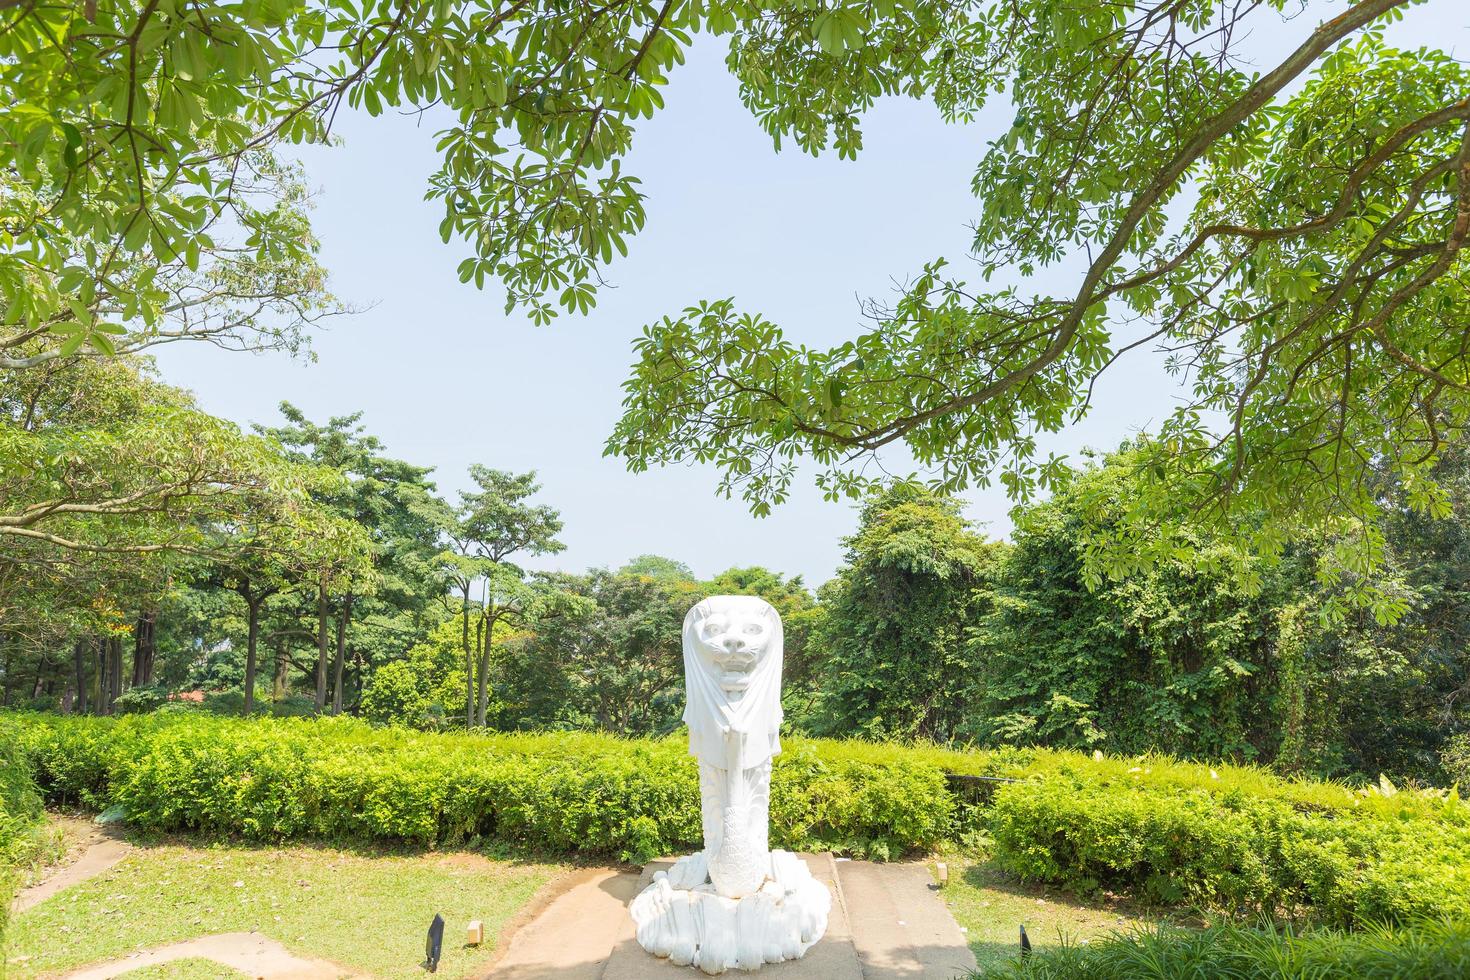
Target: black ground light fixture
point(435, 944)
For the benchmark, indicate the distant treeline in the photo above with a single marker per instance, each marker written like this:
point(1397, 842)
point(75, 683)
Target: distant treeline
point(316, 574)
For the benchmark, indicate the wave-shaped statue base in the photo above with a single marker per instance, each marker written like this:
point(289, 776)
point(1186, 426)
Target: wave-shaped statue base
point(737, 903)
point(681, 916)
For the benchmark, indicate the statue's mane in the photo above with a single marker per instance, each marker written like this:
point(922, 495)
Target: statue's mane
point(711, 714)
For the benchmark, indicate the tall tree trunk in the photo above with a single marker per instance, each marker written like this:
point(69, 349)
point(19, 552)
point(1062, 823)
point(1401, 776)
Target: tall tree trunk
point(145, 646)
point(480, 671)
point(488, 622)
point(79, 658)
point(99, 692)
point(359, 674)
point(9, 674)
point(252, 637)
point(109, 653)
point(116, 672)
point(341, 653)
point(469, 661)
point(283, 666)
point(321, 645)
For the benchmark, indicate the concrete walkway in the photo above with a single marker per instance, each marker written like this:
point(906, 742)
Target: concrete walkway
point(100, 850)
point(887, 923)
point(249, 952)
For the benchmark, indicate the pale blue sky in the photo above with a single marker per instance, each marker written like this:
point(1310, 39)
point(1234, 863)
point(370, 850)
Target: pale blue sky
point(446, 379)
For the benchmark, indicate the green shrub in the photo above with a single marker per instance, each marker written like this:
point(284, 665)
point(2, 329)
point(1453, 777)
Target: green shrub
point(275, 779)
point(141, 700)
point(1237, 852)
point(20, 813)
point(1431, 949)
point(1455, 758)
point(1237, 840)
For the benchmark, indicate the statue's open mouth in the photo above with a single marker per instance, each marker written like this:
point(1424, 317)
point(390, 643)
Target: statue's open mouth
point(735, 680)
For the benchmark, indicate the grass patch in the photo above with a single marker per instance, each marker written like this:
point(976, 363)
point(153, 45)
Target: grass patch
point(365, 911)
point(991, 905)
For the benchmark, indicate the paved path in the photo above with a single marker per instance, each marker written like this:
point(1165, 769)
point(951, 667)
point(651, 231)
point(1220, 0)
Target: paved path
point(249, 952)
point(901, 926)
point(887, 923)
point(100, 851)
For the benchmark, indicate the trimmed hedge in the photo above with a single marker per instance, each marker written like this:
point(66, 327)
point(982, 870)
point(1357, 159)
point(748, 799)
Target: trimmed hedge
point(338, 778)
point(1349, 865)
point(1237, 840)
point(1434, 949)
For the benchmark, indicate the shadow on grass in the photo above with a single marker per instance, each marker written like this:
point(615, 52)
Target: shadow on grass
point(508, 852)
point(992, 905)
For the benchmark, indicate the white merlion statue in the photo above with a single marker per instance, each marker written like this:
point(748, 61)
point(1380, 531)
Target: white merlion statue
point(736, 903)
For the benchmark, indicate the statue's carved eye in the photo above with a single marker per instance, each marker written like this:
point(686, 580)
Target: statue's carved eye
point(752, 628)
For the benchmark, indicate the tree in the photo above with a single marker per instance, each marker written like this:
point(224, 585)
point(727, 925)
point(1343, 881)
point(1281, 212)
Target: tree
point(494, 522)
point(1187, 659)
point(121, 463)
point(394, 504)
point(420, 690)
point(1176, 658)
point(1311, 291)
point(277, 545)
point(602, 650)
point(896, 663)
point(657, 566)
point(114, 485)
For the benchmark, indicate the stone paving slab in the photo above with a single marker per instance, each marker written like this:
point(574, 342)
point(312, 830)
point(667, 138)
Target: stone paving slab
point(573, 936)
point(902, 928)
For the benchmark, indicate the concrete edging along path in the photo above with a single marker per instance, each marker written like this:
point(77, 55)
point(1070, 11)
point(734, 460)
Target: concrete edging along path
point(887, 923)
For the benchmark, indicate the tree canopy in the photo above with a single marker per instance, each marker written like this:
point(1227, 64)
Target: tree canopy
point(1292, 235)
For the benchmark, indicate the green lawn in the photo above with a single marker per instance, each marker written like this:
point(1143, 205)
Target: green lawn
point(991, 906)
point(367, 912)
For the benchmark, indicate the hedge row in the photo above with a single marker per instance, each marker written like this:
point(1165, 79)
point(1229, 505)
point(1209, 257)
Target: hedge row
point(1235, 839)
point(1240, 853)
point(341, 779)
point(1229, 952)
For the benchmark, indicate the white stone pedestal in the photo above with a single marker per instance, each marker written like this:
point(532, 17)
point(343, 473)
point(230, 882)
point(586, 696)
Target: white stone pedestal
point(680, 916)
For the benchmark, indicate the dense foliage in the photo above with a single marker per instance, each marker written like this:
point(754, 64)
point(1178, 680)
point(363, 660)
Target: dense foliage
point(1288, 226)
point(1234, 839)
point(1202, 595)
point(1310, 288)
point(557, 793)
point(20, 814)
point(1234, 952)
point(928, 629)
point(1199, 848)
point(895, 662)
point(1215, 653)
